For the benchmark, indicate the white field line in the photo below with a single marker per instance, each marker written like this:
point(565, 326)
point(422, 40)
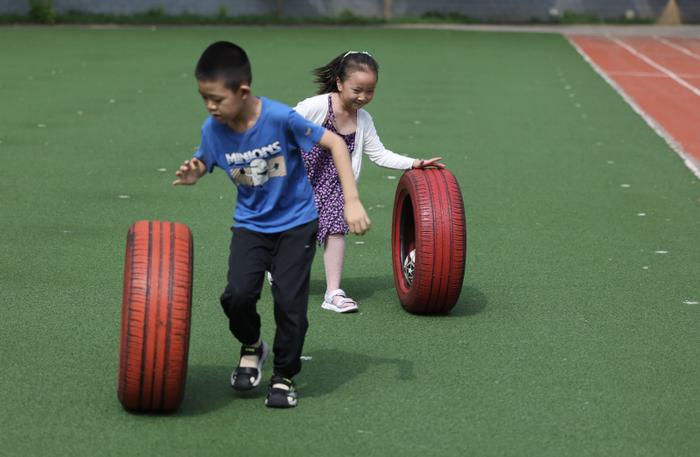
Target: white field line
point(688, 160)
point(661, 68)
point(677, 47)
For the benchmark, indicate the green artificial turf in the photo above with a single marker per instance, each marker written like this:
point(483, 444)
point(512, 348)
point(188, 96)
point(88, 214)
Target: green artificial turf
point(575, 334)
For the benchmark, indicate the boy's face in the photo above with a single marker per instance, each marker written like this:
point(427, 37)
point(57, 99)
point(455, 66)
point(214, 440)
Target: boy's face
point(222, 103)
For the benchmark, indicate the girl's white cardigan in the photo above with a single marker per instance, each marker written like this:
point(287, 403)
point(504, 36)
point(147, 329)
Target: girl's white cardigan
point(315, 109)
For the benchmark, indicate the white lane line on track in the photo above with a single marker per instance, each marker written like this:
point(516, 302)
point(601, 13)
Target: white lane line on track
point(646, 74)
point(651, 62)
point(687, 159)
point(677, 47)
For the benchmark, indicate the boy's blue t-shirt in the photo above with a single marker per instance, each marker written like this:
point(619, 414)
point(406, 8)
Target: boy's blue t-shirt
point(265, 163)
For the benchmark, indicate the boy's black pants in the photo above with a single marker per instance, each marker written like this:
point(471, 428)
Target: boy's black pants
point(288, 256)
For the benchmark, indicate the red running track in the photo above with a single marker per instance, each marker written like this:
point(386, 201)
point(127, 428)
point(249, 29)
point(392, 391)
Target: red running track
point(660, 77)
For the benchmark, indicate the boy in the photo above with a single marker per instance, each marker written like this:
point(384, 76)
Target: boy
point(257, 142)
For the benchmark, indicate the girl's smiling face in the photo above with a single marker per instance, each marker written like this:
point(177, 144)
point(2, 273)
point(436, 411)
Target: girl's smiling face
point(358, 89)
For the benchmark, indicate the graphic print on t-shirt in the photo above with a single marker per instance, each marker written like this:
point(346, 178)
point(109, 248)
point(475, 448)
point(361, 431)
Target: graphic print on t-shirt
point(260, 169)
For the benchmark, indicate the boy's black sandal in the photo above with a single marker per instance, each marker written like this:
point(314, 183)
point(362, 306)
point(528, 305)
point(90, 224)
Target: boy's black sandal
point(278, 397)
point(247, 378)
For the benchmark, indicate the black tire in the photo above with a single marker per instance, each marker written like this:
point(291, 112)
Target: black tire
point(429, 219)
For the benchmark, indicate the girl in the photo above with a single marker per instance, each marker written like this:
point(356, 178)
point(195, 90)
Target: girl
point(346, 85)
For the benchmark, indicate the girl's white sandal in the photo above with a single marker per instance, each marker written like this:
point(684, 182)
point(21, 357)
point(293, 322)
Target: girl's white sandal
point(345, 304)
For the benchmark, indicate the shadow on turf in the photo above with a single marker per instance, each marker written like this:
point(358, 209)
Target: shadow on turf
point(330, 368)
point(207, 390)
point(358, 288)
point(471, 301)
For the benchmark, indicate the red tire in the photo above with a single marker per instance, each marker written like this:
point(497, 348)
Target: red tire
point(429, 220)
point(156, 310)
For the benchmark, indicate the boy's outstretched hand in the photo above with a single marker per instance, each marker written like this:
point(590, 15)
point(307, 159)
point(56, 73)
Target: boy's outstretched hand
point(434, 162)
point(189, 173)
point(356, 217)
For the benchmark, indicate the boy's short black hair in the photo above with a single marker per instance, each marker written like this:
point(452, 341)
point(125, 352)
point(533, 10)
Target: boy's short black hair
point(224, 61)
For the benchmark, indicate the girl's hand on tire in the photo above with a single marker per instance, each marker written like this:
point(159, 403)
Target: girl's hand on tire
point(434, 162)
